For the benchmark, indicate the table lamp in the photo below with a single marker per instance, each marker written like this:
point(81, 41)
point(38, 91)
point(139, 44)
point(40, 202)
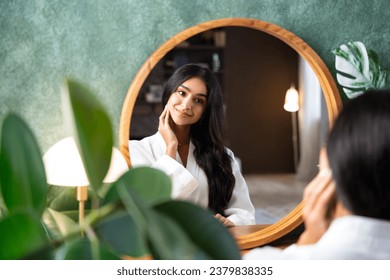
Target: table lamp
point(64, 167)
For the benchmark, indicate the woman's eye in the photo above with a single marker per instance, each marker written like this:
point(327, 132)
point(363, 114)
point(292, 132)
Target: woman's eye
point(180, 92)
point(199, 101)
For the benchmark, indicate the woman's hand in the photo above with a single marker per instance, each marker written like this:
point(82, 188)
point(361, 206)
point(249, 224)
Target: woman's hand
point(226, 222)
point(167, 133)
point(318, 197)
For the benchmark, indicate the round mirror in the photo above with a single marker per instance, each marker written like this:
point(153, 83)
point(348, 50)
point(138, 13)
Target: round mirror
point(254, 235)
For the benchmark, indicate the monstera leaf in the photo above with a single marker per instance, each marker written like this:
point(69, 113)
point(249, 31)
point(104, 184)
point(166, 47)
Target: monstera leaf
point(358, 69)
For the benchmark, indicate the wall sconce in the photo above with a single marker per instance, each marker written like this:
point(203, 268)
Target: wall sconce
point(64, 167)
point(291, 104)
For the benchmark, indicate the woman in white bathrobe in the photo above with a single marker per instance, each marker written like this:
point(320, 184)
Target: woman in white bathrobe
point(189, 146)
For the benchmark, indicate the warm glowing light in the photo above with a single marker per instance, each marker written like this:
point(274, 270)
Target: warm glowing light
point(291, 101)
point(64, 167)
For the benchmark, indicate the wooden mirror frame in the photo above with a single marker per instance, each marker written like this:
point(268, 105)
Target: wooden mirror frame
point(329, 88)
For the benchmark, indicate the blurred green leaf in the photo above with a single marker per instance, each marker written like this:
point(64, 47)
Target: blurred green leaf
point(92, 130)
point(3, 209)
point(59, 225)
point(81, 249)
point(44, 253)
point(166, 239)
point(169, 241)
point(151, 184)
point(21, 234)
point(23, 180)
point(134, 206)
point(62, 198)
point(202, 228)
point(119, 232)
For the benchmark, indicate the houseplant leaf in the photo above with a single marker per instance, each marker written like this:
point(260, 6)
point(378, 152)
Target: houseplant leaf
point(213, 238)
point(358, 69)
point(136, 191)
point(151, 184)
point(3, 209)
point(58, 225)
point(23, 180)
point(169, 241)
point(120, 233)
point(82, 249)
point(62, 199)
point(21, 235)
point(165, 238)
point(92, 130)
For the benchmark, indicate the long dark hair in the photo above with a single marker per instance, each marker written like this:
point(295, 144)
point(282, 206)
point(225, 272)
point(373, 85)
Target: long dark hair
point(359, 154)
point(208, 136)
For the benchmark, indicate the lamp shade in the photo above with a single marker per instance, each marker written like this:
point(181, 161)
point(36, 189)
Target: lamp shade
point(64, 167)
point(291, 101)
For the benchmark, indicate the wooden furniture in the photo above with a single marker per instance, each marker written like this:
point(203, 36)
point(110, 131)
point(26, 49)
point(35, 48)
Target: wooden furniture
point(293, 220)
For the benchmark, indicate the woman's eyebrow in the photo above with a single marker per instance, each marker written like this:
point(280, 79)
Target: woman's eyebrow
point(185, 87)
point(202, 95)
point(198, 94)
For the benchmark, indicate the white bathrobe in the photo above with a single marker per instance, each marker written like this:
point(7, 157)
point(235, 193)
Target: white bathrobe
point(348, 238)
point(190, 182)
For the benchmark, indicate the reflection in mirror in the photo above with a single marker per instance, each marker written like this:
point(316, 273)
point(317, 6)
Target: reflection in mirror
point(257, 235)
point(278, 150)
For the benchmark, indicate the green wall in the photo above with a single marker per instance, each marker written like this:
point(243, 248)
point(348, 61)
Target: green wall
point(104, 43)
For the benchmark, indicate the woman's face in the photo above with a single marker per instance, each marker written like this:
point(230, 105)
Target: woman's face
point(188, 103)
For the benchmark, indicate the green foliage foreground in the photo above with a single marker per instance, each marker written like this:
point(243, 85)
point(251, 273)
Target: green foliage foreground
point(133, 217)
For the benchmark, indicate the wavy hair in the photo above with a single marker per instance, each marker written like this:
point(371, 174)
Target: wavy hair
point(208, 136)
